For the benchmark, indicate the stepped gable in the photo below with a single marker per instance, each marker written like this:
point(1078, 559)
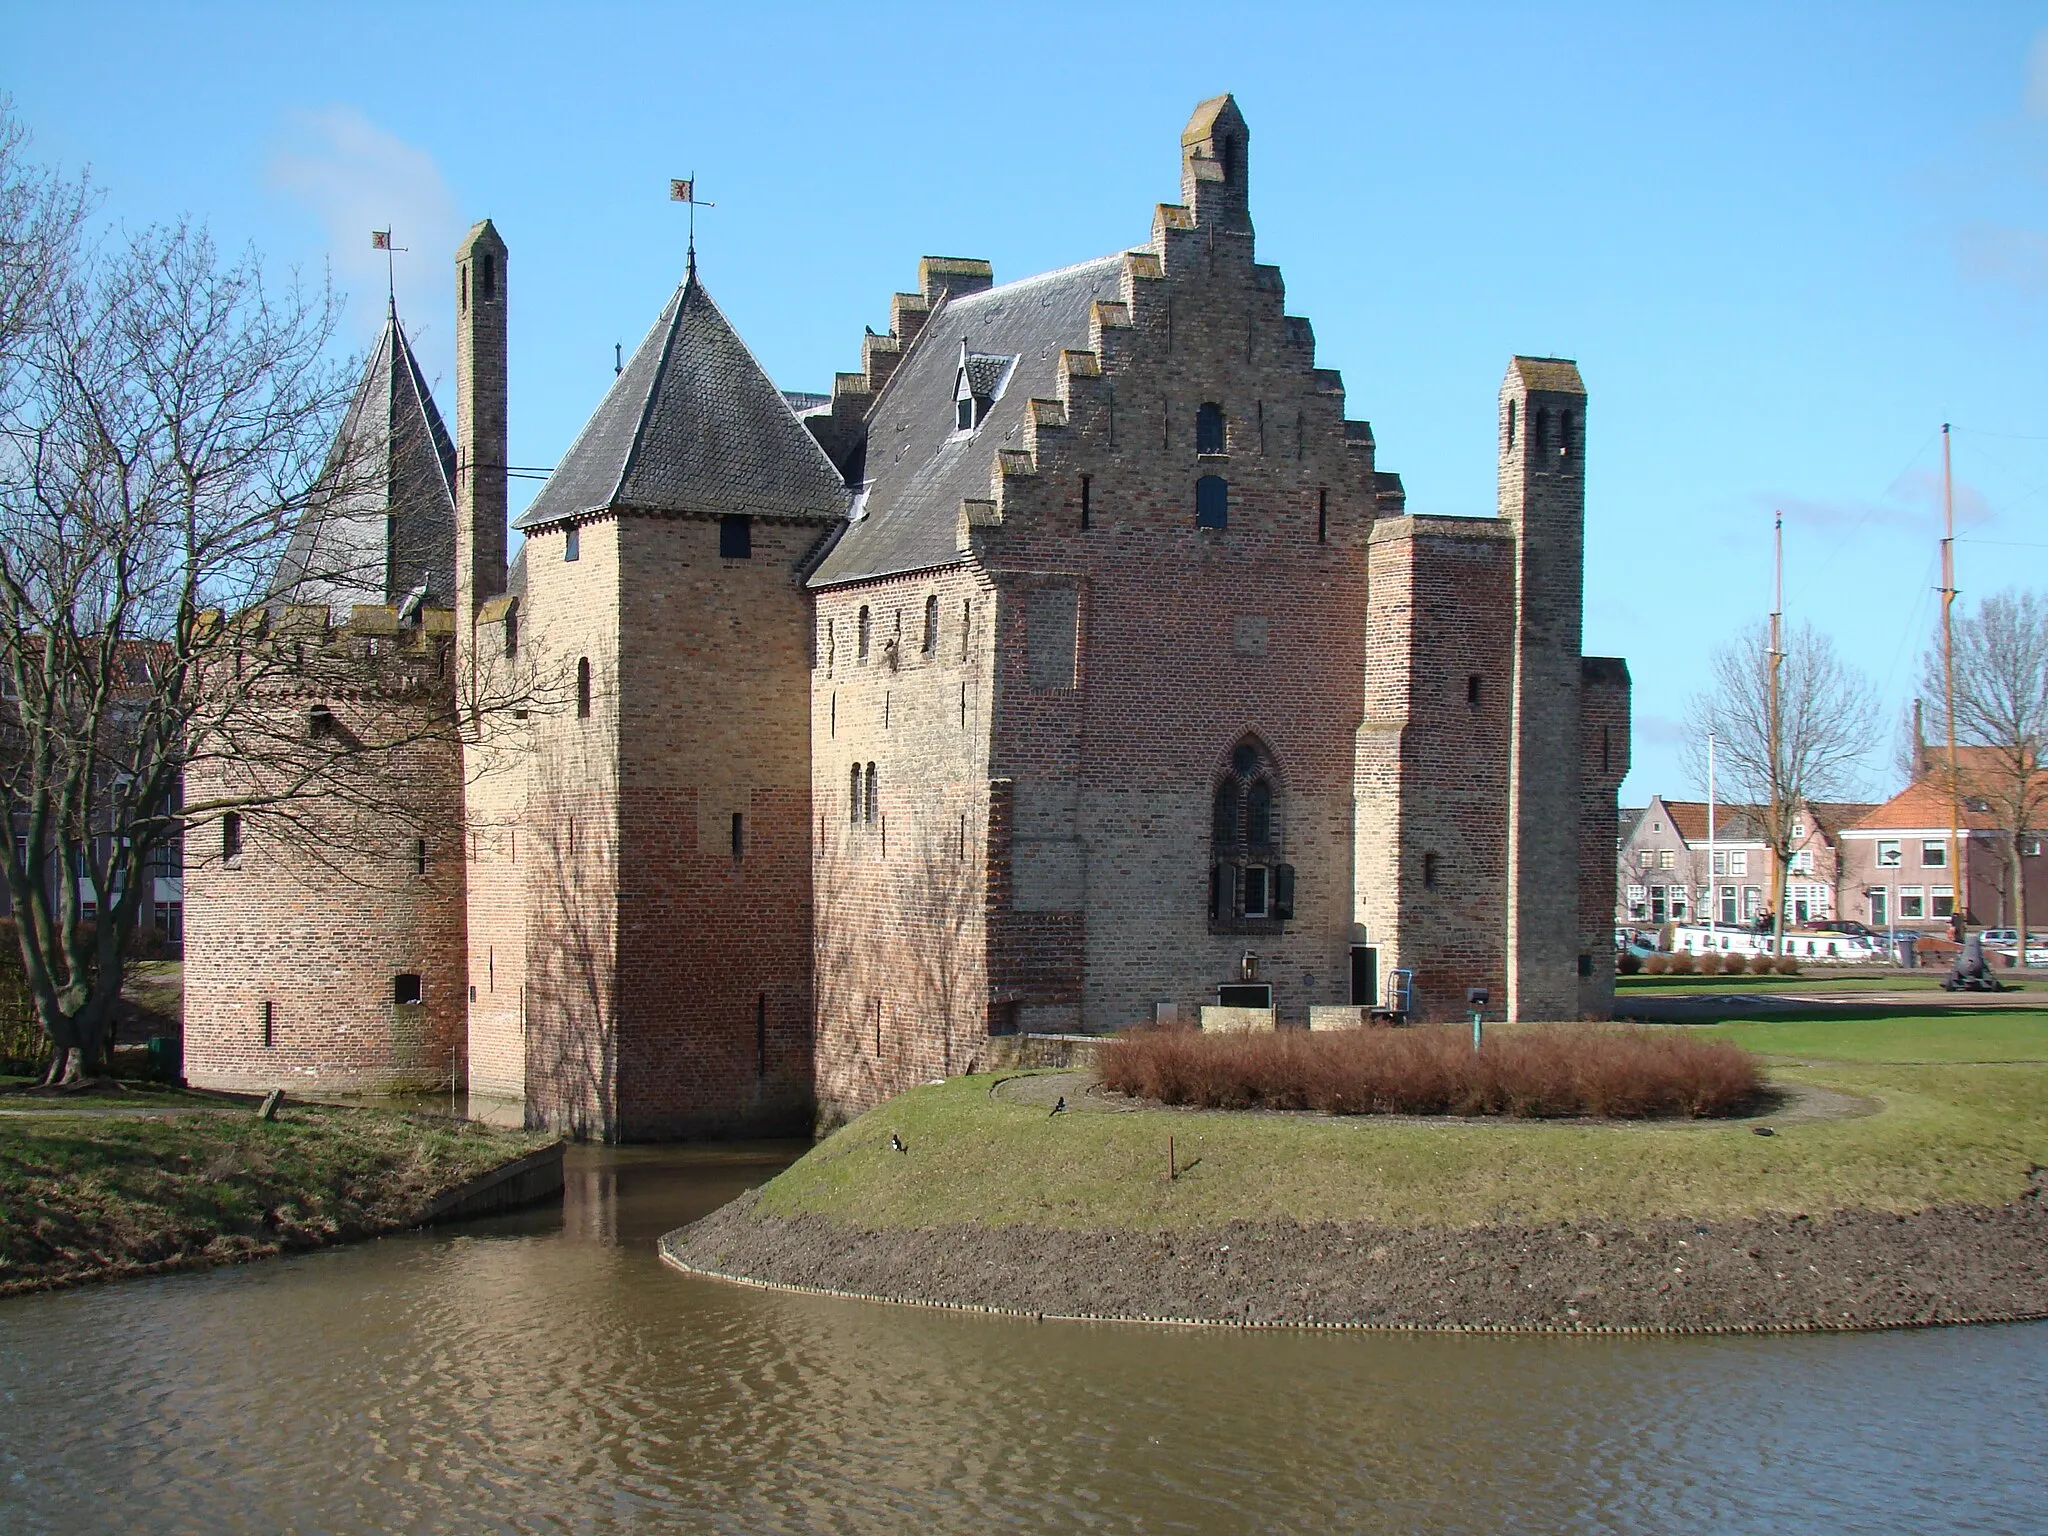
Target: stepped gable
point(919, 466)
point(692, 425)
point(389, 481)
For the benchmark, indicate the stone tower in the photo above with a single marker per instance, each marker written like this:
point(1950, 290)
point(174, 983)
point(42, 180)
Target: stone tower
point(1543, 500)
point(480, 410)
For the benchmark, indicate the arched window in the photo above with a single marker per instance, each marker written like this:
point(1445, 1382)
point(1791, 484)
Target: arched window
point(866, 627)
point(1212, 502)
point(1247, 880)
point(1511, 426)
point(869, 808)
point(1539, 431)
point(583, 688)
point(320, 720)
point(1565, 423)
point(931, 624)
point(1209, 428)
point(853, 796)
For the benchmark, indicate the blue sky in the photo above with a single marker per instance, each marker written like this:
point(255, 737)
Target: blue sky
point(1784, 243)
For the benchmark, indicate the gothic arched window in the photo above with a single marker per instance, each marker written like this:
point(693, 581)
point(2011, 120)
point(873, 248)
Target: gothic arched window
point(1247, 880)
point(1209, 428)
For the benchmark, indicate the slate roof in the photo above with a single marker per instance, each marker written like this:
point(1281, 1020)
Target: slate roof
point(919, 468)
point(390, 474)
point(692, 424)
point(1558, 374)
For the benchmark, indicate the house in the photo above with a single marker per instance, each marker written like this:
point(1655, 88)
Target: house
point(1671, 870)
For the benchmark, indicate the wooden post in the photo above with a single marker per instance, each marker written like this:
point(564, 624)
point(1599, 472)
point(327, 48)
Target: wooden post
point(1171, 1172)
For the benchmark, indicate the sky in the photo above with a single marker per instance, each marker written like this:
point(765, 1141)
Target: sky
point(1785, 244)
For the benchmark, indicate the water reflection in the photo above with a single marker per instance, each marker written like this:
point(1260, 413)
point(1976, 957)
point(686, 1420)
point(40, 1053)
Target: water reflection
point(546, 1374)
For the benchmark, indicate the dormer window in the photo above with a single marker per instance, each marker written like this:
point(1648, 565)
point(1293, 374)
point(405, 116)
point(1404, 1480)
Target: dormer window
point(978, 384)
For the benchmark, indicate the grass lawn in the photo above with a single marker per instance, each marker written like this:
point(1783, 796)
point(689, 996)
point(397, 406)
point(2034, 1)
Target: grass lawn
point(1627, 988)
point(122, 1094)
point(1947, 1131)
point(89, 1196)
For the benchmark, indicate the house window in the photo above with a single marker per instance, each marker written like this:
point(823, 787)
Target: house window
point(1638, 897)
point(1720, 862)
point(1738, 861)
point(1212, 502)
point(1798, 829)
point(1944, 901)
point(1752, 902)
point(572, 544)
point(1802, 862)
point(868, 808)
point(1255, 890)
point(2030, 847)
point(1209, 428)
point(1728, 905)
point(231, 839)
point(1657, 899)
point(736, 538)
point(931, 624)
point(1667, 858)
point(1912, 902)
point(1888, 853)
point(405, 987)
point(583, 688)
point(1933, 853)
point(866, 632)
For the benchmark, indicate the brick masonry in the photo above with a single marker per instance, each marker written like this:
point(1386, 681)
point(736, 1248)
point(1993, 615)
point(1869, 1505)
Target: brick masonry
point(979, 797)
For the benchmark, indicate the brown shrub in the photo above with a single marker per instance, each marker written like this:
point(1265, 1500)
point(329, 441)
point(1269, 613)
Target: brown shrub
point(1786, 966)
point(1710, 963)
point(1734, 964)
point(1684, 963)
point(1554, 1071)
point(1658, 964)
point(1628, 962)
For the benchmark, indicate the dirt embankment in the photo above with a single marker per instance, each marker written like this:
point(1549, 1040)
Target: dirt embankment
point(1847, 1269)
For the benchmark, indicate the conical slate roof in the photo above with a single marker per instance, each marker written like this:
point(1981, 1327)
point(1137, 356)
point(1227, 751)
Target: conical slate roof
point(381, 518)
point(692, 424)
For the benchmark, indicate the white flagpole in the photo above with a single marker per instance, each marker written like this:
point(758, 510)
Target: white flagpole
point(1713, 885)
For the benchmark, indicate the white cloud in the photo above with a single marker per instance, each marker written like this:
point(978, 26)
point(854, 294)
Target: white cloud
point(356, 177)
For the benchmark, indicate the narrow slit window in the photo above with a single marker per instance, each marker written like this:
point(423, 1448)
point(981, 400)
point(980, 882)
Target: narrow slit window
point(866, 632)
point(269, 1024)
point(739, 836)
point(1472, 690)
point(487, 286)
point(966, 625)
point(583, 688)
point(231, 839)
point(1511, 426)
point(853, 796)
point(419, 855)
point(1323, 515)
point(1429, 871)
point(572, 545)
point(1087, 500)
point(868, 810)
point(931, 624)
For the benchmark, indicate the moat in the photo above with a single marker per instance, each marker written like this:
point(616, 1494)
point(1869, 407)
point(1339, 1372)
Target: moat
point(546, 1373)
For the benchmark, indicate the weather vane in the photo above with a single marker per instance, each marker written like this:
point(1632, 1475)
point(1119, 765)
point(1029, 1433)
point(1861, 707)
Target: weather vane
point(380, 240)
point(685, 191)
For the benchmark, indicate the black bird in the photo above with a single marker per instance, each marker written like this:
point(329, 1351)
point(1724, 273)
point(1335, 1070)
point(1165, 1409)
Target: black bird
point(1059, 1108)
point(896, 1143)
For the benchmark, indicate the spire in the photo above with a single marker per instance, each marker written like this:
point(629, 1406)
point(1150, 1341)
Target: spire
point(692, 424)
point(382, 514)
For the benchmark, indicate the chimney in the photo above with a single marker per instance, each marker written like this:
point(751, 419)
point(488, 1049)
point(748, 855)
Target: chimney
point(480, 405)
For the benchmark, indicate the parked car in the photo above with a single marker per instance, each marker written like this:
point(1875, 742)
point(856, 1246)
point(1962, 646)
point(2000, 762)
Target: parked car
point(1848, 926)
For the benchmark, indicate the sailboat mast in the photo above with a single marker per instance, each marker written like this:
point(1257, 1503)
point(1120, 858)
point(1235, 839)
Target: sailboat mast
point(1958, 904)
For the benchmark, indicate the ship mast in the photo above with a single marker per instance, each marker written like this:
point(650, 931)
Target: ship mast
point(1958, 905)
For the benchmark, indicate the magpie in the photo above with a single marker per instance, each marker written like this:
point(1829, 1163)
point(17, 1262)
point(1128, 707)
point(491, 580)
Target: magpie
point(896, 1143)
point(1059, 1108)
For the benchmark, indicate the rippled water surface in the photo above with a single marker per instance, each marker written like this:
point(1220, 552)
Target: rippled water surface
point(545, 1373)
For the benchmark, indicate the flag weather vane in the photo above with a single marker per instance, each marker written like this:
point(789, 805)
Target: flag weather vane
point(380, 240)
point(682, 190)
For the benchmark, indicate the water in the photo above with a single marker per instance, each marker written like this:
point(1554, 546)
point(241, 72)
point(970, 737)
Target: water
point(545, 1373)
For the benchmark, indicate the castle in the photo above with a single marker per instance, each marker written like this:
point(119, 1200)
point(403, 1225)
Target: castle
point(1072, 665)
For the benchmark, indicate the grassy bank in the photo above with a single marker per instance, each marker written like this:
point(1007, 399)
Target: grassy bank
point(1962, 1117)
point(98, 1196)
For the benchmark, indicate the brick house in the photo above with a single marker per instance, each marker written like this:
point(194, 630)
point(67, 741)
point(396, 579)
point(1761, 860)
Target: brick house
point(1896, 863)
point(1667, 871)
point(1073, 664)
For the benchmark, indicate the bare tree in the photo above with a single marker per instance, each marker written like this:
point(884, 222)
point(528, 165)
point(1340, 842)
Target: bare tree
point(2001, 714)
point(170, 418)
point(1782, 743)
